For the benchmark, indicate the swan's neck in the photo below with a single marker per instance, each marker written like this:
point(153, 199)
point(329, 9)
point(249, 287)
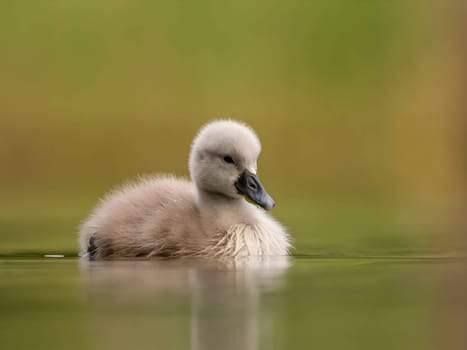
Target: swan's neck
point(223, 210)
point(239, 229)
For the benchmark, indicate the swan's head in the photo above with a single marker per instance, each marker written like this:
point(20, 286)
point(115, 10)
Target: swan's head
point(223, 162)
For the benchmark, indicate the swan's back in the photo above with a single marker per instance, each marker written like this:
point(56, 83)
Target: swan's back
point(149, 217)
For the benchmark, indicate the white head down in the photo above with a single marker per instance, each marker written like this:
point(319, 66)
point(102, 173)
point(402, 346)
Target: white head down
point(223, 162)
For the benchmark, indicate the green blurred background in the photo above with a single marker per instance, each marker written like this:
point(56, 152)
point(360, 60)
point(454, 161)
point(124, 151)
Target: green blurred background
point(360, 106)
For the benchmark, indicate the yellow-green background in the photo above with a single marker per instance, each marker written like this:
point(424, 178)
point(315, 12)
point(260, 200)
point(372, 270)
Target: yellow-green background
point(360, 106)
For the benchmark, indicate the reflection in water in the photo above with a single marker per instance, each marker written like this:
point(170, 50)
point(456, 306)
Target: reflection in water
point(151, 304)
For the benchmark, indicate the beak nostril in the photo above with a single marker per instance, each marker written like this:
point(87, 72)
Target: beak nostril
point(252, 185)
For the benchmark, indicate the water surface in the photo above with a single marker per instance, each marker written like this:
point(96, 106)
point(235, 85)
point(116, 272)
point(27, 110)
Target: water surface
point(306, 302)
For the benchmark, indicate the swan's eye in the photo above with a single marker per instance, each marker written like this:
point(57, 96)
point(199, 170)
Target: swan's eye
point(228, 159)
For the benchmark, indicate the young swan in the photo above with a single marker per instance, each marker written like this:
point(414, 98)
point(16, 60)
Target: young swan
point(209, 217)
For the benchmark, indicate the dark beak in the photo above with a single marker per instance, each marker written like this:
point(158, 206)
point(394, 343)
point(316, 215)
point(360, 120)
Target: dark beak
point(249, 185)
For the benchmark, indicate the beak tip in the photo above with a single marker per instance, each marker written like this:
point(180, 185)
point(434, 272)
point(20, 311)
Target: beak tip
point(269, 205)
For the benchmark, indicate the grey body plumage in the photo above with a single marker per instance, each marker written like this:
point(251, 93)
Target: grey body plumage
point(205, 217)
